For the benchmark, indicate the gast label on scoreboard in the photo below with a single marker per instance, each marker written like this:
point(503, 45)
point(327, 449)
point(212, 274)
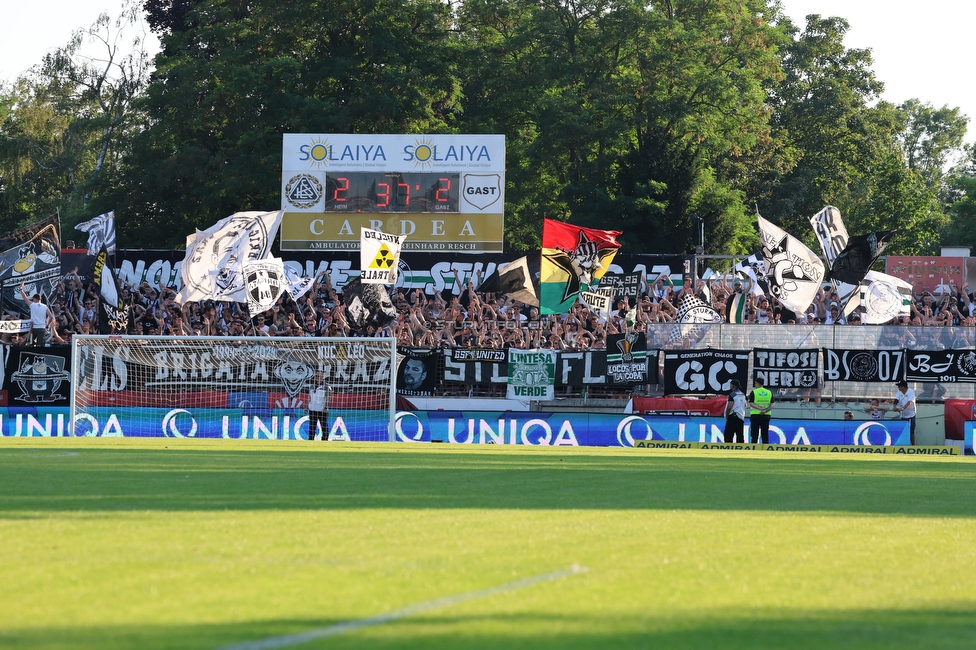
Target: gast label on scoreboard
point(441, 192)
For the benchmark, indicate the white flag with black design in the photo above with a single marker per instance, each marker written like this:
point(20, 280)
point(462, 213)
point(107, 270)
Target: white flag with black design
point(214, 257)
point(832, 235)
point(691, 313)
point(379, 256)
point(101, 233)
point(298, 285)
point(884, 297)
point(600, 302)
point(264, 282)
point(793, 271)
point(754, 267)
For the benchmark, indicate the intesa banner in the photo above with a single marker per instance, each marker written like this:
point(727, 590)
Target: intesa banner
point(531, 374)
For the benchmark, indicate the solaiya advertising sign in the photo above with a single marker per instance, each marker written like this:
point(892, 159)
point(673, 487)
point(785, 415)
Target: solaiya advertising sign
point(440, 192)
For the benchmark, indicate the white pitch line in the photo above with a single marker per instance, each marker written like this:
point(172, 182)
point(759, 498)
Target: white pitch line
point(275, 642)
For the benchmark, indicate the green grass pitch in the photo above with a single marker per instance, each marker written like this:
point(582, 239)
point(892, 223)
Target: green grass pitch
point(204, 544)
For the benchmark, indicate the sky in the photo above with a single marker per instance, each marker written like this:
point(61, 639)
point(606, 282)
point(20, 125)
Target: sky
point(921, 49)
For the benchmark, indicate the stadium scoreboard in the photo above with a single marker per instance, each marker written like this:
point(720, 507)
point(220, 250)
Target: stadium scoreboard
point(442, 192)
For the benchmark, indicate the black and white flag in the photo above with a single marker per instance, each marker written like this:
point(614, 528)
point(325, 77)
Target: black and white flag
point(101, 234)
point(884, 297)
point(622, 285)
point(853, 263)
point(34, 258)
point(793, 271)
point(367, 305)
point(298, 285)
point(518, 280)
point(832, 235)
point(212, 267)
point(264, 282)
point(116, 317)
point(754, 268)
point(692, 317)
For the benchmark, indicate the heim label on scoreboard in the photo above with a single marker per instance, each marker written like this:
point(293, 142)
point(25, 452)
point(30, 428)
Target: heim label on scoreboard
point(441, 192)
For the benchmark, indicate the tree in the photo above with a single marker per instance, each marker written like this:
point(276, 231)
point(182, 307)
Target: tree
point(68, 121)
point(617, 111)
point(233, 77)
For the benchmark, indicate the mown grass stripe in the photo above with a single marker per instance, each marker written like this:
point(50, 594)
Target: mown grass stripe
point(288, 640)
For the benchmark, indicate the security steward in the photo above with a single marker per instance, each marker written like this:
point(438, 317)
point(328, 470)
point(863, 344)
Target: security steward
point(760, 408)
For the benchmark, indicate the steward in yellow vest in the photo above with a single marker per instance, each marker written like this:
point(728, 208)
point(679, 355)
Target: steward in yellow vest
point(760, 408)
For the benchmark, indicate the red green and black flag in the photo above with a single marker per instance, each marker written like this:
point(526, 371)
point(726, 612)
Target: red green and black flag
point(573, 260)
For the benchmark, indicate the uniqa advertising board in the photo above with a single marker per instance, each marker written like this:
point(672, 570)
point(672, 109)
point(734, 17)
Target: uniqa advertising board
point(441, 192)
point(452, 427)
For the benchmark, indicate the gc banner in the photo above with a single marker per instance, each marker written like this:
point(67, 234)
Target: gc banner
point(786, 368)
point(943, 366)
point(864, 365)
point(704, 372)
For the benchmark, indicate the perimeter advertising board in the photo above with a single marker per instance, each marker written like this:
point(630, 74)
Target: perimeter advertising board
point(442, 192)
point(453, 427)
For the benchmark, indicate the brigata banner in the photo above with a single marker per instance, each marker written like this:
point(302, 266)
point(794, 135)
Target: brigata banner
point(943, 366)
point(531, 374)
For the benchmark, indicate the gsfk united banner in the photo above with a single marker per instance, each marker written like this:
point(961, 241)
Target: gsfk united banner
point(531, 374)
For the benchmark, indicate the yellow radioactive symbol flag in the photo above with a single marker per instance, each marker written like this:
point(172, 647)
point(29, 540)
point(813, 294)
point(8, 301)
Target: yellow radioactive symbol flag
point(384, 258)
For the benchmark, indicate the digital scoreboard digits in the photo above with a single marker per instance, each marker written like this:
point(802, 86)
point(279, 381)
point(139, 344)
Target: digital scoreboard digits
point(392, 192)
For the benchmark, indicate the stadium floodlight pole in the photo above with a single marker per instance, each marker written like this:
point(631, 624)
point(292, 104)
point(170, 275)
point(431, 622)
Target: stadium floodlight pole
point(230, 387)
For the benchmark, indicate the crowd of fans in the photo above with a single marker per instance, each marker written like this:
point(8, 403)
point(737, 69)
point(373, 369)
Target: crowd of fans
point(465, 318)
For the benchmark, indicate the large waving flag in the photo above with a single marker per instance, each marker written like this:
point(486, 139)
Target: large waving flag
point(832, 235)
point(214, 257)
point(116, 316)
point(101, 232)
point(31, 255)
point(854, 262)
point(573, 260)
point(793, 271)
point(518, 280)
point(884, 297)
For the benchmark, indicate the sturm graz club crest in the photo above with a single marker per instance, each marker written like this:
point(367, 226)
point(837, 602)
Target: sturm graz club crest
point(263, 283)
point(303, 191)
point(40, 378)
